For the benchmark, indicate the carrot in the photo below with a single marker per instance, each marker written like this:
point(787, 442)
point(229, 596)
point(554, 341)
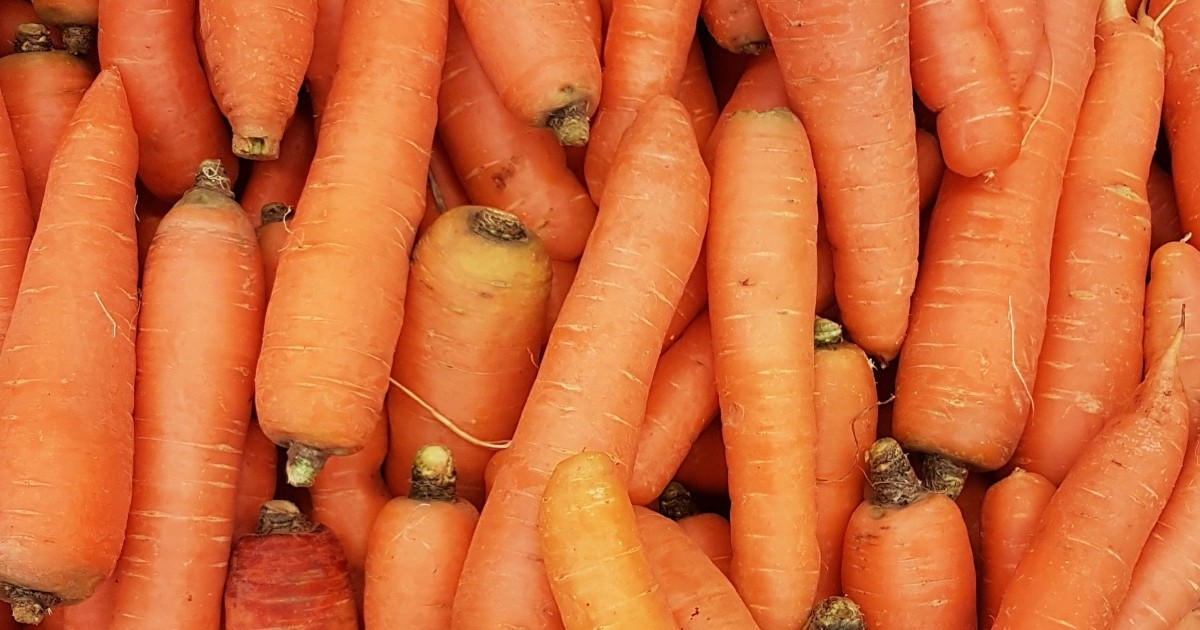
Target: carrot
point(331, 329)
point(704, 468)
point(683, 399)
point(959, 72)
point(1164, 211)
point(735, 25)
point(846, 414)
point(693, 302)
point(503, 162)
point(256, 52)
point(93, 613)
point(540, 56)
point(441, 173)
point(416, 548)
point(836, 613)
point(696, 93)
point(149, 213)
point(71, 393)
point(907, 561)
point(1080, 561)
point(75, 18)
point(825, 280)
point(709, 531)
point(282, 180)
point(1174, 286)
point(930, 168)
point(16, 222)
point(1191, 622)
point(42, 89)
point(474, 323)
point(1180, 23)
point(760, 88)
point(697, 593)
point(322, 65)
point(274, 231)
point(599, 570)
point(587, 400)
point(291, 573)
point(256, 481)
point(970, 505)
point(637, 69)
point(762, 337)
point(1020, 32)
point(593, 18)
point(562, 276)
point(1012, 510)
point(979, 312)
point(14, 13)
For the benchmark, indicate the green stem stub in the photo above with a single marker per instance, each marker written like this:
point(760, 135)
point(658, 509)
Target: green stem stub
point(570, 125)
point(826, 332)
point(434, 477)
point(28, 606)
point(303, 464)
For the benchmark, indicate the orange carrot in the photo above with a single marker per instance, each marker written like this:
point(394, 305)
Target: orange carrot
point(562, 276)
point(1191, 622)
point(1180, 25)
point(762, 337)
point(696, 93)
point(274, 230)
point(71, 393)
point(16, 222)
point(709, 531)
point(825, 280)
point(503, 162)
point(441, 172)
point(1164, 211)
point(282, 180)
point(836, 613)
point(417, 546)
point(1012, 510)
point(704, 468)
point(327, 38)
point(474, 322)
point(593, 18)
point(599, 570)
point(93, 613)
point(14, 13)
point(979, 313)
point(331, 329)
point(1080, 561)
point(970, 505)
point(695, 298)
point(1019, 31)
point(736, 25)
point(930, 169)
point(1175, 286)
point(291, 573)
point(149, 213)
point(760, 88)
point(42, 89)
point(582, 399)
point(256, 481)
point(540, 56)
point(75, 18)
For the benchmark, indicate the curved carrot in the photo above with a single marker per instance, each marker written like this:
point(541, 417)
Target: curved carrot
point(930, 168)
point(256, 53)
point(274, 231)
point(282, 180)
point(16, 222)
point(585, 400)
point(256, 481)
point(331, 329)
point(1180, 23)
point(704, 468)
point(735, 25)
point(71, 392)
point(474, 322)
point(696, 93)
point(762, 337)
point(562, 276)
point(1012, 510)
point(979, 313)
point(1164, 211)
point(14, 13)
point(503, 162)
point(599, 570)
point(327, 38)
point(540, 56)
point(42, 89)
point(691, 304)
point(1020, 32)
point(76, 18)
point(93, 613)
point(172, 567)
point(708, 530)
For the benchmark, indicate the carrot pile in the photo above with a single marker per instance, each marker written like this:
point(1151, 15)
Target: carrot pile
point(580, 314)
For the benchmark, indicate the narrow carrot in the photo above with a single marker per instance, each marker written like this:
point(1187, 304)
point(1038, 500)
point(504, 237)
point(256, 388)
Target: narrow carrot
point(979, 312)
point(540, 56)
point(14, 13)
point(1080, 561)
point(735, 25)
point(16, 222)
point(149, 213)
point(42, 89)
point(708, 530)
point(698, 594)
point(327, 38)
point(1164, 211)
point(762, 337)
point(760, 88)
point(416, 548)
point(599, 570)
point(72, 392)
point(75, 18)
point(907, 561)
point(1012, 510)
point(93, 613)
point(1180, 23)
point(584, 400)
point(504, 163)
point(562, 277)
point(256, 481)
point(291, 573)
point(1175, 286)
point(1018, 27)
point(683, 400)
point(704, 469)
point(331, 329)
point(282, 180)
point(930, 168)
point(696, 93)
point(825, 280)
point(177, 121)
point(970, 505)
point(836, 613)
point(441, 172)
point(274, 230)
point(474, 322)
point(691, 304)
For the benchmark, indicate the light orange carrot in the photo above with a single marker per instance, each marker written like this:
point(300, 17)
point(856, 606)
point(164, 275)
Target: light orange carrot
point(1011, 513)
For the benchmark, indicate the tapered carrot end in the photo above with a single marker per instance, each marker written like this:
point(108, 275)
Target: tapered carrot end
point(836, 613)
point(826, 332)
point(570, 125)
point(275, 213)
point(303, 464)
point(891, 475)
point(282, 517)
point(676, 502)
point(28, 606)
point(256, 148)
point(32, 38)
point(78, 39)
point(434, 477)
point(944, 475)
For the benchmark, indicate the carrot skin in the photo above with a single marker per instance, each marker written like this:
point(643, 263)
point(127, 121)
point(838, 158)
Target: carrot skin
point(930, 169)
point(93, 613)
point(760, 88)
point(696, 93)
point(1164, 210)
point(1174, 286)
point(1180, 120)
point(711, 533)
point(1012, 510)
point(562, 276)
point(1019, 31)
point(16, 223)
point(256, 481)
point(691, 304)
point(322, 65)
point(736, 25)
point(704, 468)
point(282, 180)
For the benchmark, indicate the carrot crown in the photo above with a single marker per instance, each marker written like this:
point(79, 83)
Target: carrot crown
point(891, 475)
point(835, 613)
point(434, 477)
point(32, 38)
point(676, 502)
point(826, 332)
point(497, 225)
point(943, 475)
point(276, 213)
point(282, 517)
point(211, 175)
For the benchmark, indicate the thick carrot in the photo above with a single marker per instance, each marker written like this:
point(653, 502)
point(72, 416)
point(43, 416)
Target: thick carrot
point(14, 13)
point(979, 313)
point(474, 323)
point(327, 38)
point(1175, 286)
point(762, 337)
point(708, 530)
point(847, 411)
point(1181, 33)
point(75, 18)
point(503, 162)
point(637, 69)
point(274, 231)
point(930, 168)
point(1164, 211)
point(256, 481)
point(282, 180)
point(177, 121)
point(735, 25)
point(1080, 561)
point(16, 222)
point(599, 570)
point(958, 71)
point(93, 613)
point(696, 93)
point(417, 546)
point(1012, 510)
point(760, 88)
point(562, 276)
point(907, 561)
point(540, 56)
point(699, 595)
point(291, 573)
point(1018, 26)
point(42, 89)
point(71, 393)
point(256, 52)
point(856, 108)
point(691, 304)
point(704, 469)
point(647, 238)
point(331, 329)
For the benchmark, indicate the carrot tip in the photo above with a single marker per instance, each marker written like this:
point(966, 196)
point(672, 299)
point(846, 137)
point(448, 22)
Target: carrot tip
point(891, 475)
point(570, 125)
point(282, 517)
point(944, 475)
point(434, 477)
point(826, 332)
point(275, 212)
point(256, 148)
point(28, 606)
point(303, 464)
point(78, 39)
point(496, 225)
point(676, 502)
point(32, 38)
point(836, 613)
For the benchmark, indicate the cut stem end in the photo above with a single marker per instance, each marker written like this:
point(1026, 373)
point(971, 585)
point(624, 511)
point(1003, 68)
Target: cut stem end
point(836, 613)
point(826, 332)
point(676, 502)
point(303, 464)
point(28, 606)
point(434, 477)
point(570, 125)
point(275, 212)
point(32, 38)
point(496, 225)
point(891, 475)
point(944, 475)
point(211, 175)
point(256, 148)
point(78, 39)
point(282, 517)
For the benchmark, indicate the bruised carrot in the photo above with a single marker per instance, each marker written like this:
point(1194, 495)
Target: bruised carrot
point(291, 573)
point(599, 569)
point(331, 329)
point(16, 222)
point(282, 180)
point(93, 613)
point(1164, 211)
point(562, 276)
point(256, 481)
point(274, 230)
point(735, 25)
point(584, 400)
point(1020, 32)
point(75, 18)
point(691, 304)
point(704, 469)
point(71, 393)
point(42, 89)
point(474, 323)
point(1012, 510)
point(696, 93)
point(503, 162)
point(327, 38)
